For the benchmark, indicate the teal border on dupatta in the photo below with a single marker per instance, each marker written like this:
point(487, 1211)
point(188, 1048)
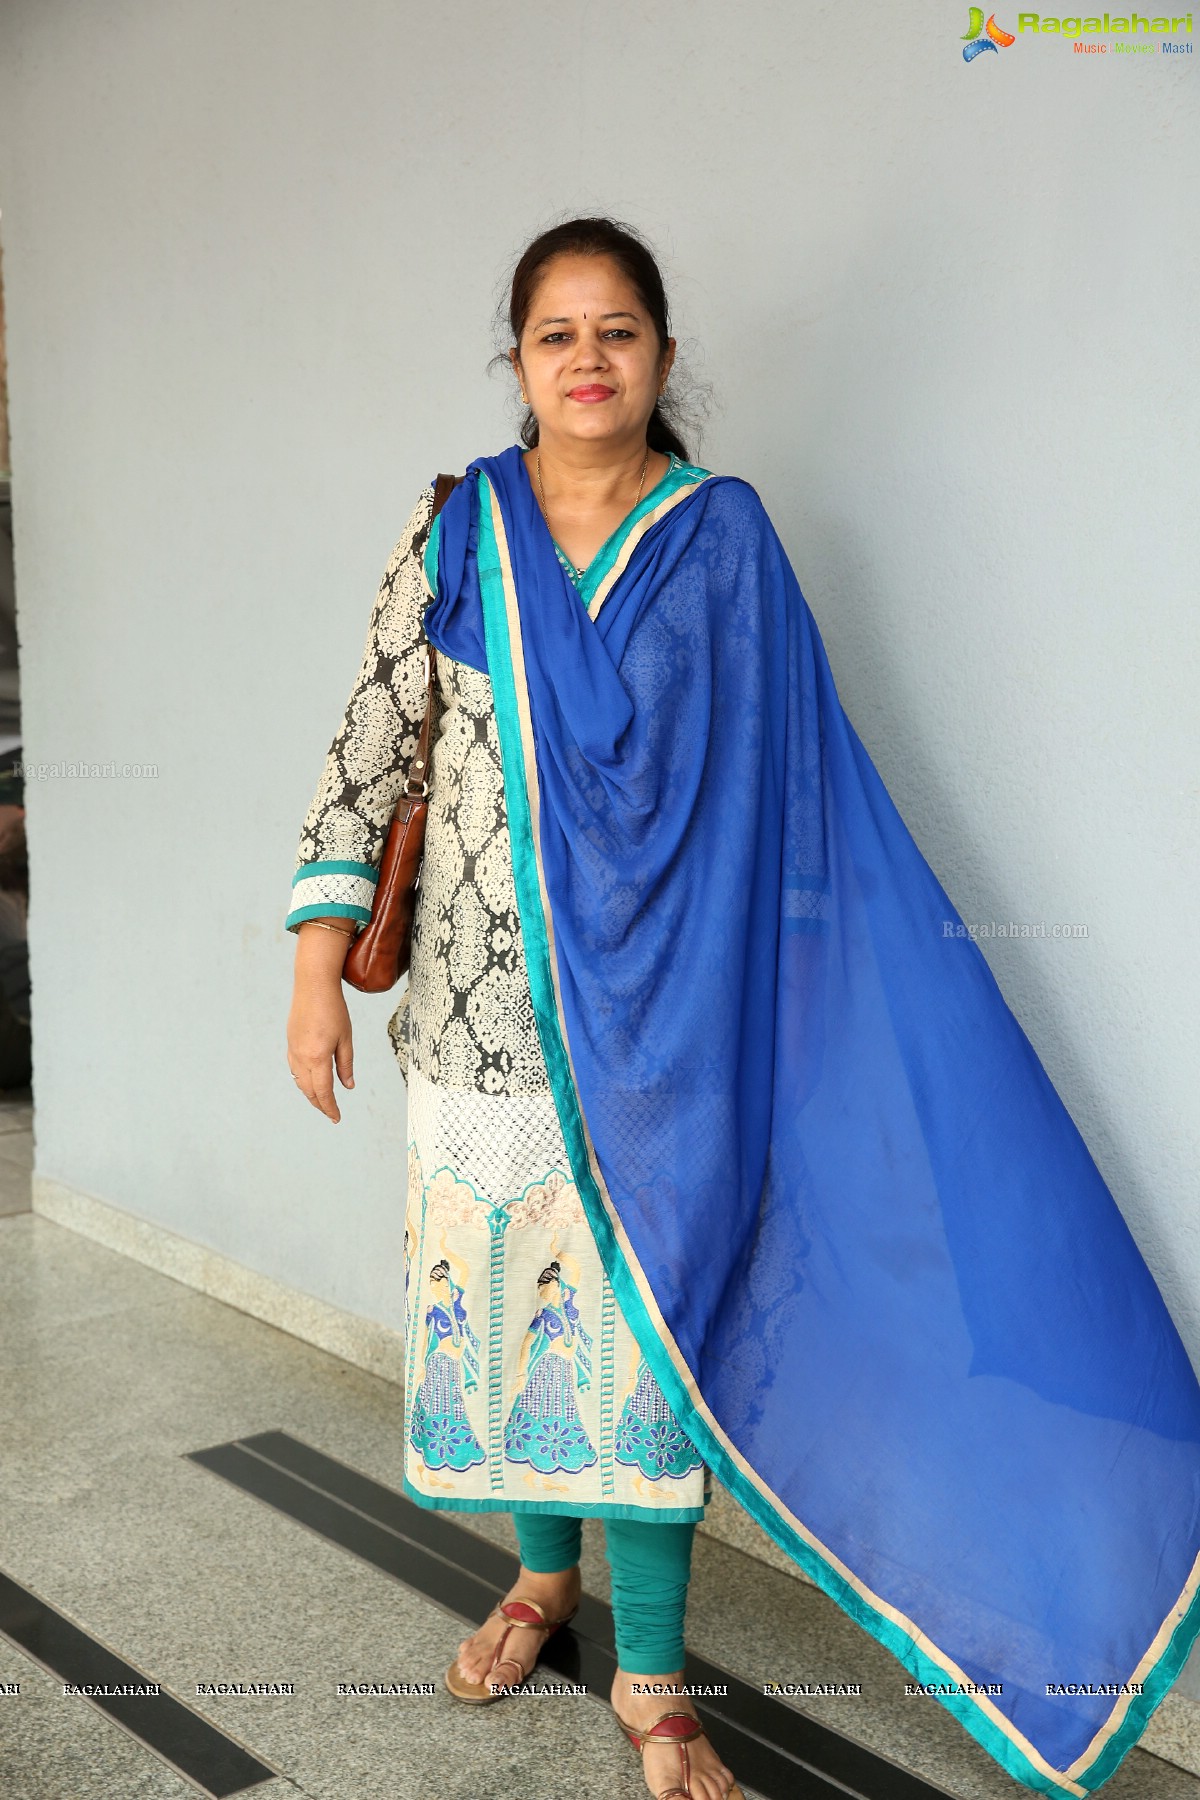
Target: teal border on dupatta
point(579, 1509)
point(678, 474)
point(962, 1706)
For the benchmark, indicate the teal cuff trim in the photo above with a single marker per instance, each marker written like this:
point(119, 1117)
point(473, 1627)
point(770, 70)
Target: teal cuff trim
point(963, 1707)
point(575, 1509)
point(368, 870)
point(330, 910)
point(634, 1663)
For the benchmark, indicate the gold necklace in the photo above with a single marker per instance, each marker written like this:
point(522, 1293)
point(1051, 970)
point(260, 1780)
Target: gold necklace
point(542, 492)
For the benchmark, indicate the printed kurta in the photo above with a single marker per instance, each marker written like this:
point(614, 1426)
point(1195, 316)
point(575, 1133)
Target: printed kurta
point(525, 1387)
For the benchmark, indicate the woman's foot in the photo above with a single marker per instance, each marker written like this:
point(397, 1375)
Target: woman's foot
point(556, 1594)
point(709, 1777)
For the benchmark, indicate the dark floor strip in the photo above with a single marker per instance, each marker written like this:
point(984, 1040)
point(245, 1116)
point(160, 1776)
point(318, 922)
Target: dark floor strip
point(771, 1746)
point(192, 1746)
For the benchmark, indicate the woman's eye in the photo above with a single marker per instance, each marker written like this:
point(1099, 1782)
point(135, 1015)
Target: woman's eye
point(553, 337)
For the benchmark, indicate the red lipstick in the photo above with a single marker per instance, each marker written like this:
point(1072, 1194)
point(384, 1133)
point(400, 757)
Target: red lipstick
point(590, 393)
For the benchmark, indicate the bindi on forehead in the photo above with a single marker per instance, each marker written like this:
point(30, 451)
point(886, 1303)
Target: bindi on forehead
point(562, 318)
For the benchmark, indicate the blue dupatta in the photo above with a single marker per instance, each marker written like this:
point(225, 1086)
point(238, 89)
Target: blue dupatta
point(861, 1243)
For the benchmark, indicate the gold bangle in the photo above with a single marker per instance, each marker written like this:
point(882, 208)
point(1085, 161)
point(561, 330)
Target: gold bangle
point(324, 927)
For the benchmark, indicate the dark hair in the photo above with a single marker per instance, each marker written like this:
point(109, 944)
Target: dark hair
point(14, 857)
point(635, 259)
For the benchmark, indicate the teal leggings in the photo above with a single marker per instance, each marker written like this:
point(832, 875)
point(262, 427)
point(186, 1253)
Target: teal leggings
point(651, 1563)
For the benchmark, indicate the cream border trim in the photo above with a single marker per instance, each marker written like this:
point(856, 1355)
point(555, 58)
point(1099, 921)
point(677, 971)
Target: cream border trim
point(363, 1342)
point(1157, 1646)
point(636, 534)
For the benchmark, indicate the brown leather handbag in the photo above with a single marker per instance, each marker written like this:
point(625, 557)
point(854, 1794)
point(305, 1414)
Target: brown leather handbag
point(379, 955)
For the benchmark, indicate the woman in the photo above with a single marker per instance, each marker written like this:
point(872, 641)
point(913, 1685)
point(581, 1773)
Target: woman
point(688, 1007)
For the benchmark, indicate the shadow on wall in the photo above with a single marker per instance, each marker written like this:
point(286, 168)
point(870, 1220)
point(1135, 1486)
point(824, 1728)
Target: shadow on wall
point(15, 1064)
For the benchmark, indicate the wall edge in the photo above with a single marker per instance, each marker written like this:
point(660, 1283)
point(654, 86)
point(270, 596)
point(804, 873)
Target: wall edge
point(365, 1343)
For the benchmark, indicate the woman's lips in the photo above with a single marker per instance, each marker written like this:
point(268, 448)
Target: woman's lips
point(590, 393)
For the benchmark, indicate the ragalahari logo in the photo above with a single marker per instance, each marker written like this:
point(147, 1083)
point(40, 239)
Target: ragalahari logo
point(995, 39)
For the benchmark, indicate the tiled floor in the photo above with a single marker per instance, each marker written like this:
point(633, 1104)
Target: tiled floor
point(16, 1149)
point(114, 1373)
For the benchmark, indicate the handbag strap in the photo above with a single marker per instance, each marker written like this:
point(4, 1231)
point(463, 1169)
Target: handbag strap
point(443, 487)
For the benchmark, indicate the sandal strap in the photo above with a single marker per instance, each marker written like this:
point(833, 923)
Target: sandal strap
point(543, 1621)
point(509, 1611)
point(680, 1728)
point(517, 1611)
point(679, 1734)
point(522, 1673)
point(497, 1657)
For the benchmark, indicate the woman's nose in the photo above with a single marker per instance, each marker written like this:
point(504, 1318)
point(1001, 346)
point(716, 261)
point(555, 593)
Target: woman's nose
point(590, 354)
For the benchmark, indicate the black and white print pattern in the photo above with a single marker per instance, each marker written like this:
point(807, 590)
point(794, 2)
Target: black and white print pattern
point(485, 1144)
point(466, 1018)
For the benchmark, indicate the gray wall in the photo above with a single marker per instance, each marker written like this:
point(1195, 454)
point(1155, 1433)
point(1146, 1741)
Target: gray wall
point(252, 255)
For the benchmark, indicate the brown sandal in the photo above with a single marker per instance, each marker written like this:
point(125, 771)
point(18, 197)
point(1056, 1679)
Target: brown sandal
point(665, 1730)
point(517, 1612)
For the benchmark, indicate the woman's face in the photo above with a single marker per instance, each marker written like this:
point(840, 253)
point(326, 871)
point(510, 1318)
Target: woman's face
point(589, 354)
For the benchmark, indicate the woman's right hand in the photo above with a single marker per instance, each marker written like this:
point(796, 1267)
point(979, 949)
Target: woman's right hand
point(319, 1037)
